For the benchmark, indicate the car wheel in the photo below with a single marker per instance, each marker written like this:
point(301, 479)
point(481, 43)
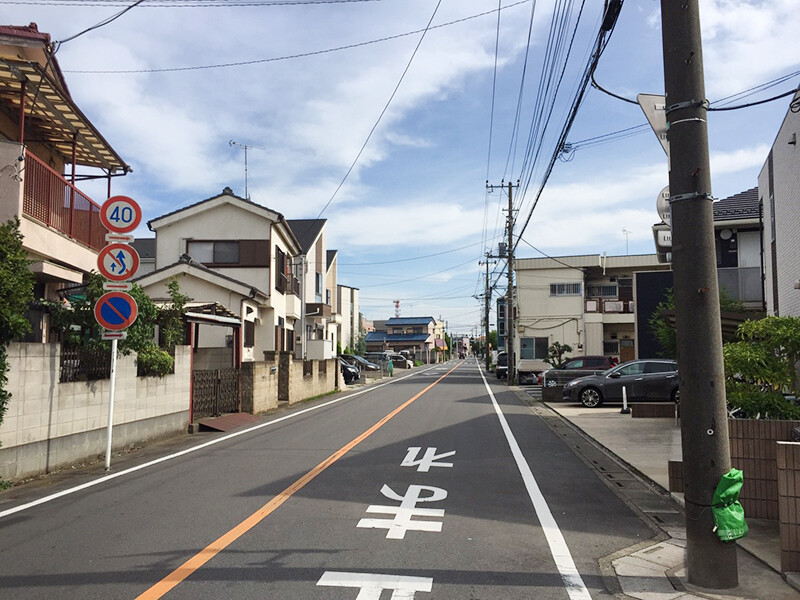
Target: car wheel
point(676, 396)
point(591, 397)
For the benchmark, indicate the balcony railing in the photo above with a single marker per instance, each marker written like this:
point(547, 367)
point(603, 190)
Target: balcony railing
point(603, 305)
point(51, 199)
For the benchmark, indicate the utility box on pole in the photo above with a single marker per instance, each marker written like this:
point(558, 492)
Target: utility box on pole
point(710, 562)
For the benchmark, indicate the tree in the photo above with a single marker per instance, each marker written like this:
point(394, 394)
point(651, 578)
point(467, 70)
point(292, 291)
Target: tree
point(16, 294)
point(663, 329)
point(556, 354)
point(75, 321)
point(493, 339)
point(761, 369)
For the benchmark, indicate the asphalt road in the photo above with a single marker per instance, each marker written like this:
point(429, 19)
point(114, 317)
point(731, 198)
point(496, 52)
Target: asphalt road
point(428, 486)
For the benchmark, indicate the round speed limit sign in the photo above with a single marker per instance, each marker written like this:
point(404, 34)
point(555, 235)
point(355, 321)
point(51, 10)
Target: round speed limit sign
point(120, 214)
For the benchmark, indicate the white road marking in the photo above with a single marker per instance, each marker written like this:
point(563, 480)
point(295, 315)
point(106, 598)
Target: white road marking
point(405, 513)
point(370, 586)
point(106, 478)
point(576, 588)
point(425, 463)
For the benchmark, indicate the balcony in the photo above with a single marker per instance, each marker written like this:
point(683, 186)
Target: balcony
point(317, 310)
point(602, 305)
point(52, 200)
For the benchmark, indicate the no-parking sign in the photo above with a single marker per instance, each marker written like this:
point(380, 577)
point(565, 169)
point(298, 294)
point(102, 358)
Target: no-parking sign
point(115, 311)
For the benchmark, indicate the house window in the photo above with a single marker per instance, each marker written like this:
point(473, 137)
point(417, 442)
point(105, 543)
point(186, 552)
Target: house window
point(605, 290)
point(565, 289)
point(328, 297)
point(533, 348)
point(611, 347)
point(249, 334)
point(241, 253)
point(214, 252)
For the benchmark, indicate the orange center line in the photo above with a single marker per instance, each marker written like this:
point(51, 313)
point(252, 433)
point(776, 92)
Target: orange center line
point(201, 558)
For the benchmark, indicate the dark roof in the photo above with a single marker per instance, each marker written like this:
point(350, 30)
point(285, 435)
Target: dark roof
point(743, 205)
point(145, 247)
point(306, 231)
point(409, 321)
point(381, 336)
point(331, 256)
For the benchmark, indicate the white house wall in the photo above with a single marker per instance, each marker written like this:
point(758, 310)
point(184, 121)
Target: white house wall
point(786, 190)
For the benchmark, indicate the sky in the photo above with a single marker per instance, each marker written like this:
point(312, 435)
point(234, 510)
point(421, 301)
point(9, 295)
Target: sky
point(389, 117)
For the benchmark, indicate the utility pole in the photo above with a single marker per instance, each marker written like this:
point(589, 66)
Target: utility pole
point(487, 299)
point(510, 291)
point(711, 563)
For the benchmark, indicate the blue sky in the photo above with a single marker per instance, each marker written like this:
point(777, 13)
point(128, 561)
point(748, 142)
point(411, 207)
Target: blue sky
point(418, 187)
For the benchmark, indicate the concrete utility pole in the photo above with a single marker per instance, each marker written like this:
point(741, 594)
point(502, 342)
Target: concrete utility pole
point(510, 291)
point(487, 299)
point(711, 563)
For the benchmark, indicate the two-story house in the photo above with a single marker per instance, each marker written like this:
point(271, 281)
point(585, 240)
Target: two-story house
point(235, 256)
point(419, 336)
point(44, 140)
point(584, 301)
point(316, 269)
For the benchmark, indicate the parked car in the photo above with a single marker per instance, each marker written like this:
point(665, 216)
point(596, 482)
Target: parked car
point(583, 363)
point(643, 380)
point(529, 370)
point(350, 373)
point(501, 370)
point(357, 361)
point(400, 361)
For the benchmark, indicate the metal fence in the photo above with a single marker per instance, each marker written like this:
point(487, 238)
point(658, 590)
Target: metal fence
point(84, 364)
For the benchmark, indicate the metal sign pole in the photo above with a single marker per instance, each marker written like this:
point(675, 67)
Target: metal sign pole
point(111, 402)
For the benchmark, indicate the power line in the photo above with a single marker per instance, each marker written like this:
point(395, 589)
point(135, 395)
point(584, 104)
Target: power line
point(289, 56)
point(98, 25)
point(380, 116)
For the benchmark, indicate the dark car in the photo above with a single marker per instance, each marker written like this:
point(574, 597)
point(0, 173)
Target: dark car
point(350, 373)
point(581, 363)
point(643, 380)
point(362, 363)
point(502, 365)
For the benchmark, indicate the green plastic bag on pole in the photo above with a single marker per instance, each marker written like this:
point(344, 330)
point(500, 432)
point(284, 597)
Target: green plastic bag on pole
point(729, 523)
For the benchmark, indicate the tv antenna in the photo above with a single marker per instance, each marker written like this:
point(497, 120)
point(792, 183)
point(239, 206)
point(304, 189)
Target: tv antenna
point(626, 233)
point(246, 148)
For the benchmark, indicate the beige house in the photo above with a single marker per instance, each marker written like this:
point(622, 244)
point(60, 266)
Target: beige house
point(244, 269)
point(584, 301)
point(45, 140)
point(350, 327)
point(316, 269)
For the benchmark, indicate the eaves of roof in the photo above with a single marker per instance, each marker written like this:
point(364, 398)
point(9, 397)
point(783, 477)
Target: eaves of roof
point(188, 266)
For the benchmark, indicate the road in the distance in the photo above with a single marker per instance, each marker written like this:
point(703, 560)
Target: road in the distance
point(413, 489)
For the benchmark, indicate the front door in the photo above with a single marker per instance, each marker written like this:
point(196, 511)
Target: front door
point(627, 351)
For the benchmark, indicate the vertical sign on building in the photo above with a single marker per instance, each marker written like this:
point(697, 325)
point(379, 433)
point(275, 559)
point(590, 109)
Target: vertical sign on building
point(116, 310)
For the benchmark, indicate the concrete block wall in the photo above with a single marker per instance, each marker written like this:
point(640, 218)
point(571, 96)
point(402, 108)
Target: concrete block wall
point(788, 462)
point(263, 377)
point(49, 424)
point(302, 387)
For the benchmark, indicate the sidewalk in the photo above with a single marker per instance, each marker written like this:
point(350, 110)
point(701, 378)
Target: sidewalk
point(658, 570)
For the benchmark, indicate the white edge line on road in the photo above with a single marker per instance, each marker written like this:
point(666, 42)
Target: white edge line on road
point(555, 539)
point(151, 463)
